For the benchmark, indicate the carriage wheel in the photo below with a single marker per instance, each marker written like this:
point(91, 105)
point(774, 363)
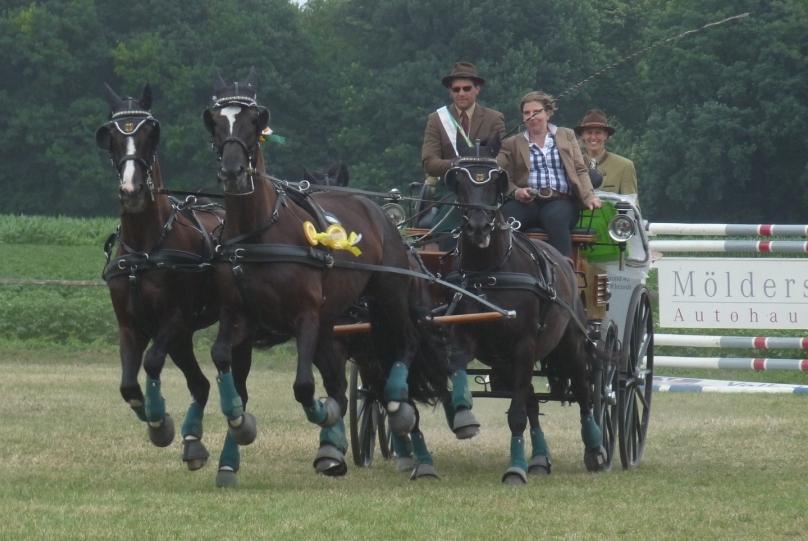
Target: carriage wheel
point(367, 418)
point(604, 395)
point(636, 378)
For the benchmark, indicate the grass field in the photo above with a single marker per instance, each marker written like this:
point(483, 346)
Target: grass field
point(76, 464)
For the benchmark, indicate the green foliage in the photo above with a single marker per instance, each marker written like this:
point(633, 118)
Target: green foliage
point(713, 121)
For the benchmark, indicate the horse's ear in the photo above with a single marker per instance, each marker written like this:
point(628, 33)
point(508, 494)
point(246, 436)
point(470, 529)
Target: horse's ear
point(343, 176)
point(493, 145)
point(207, 118)
point(155, 134)
point(262, 120)
point(146, 97)
point(102, 138)
point(450, 178)
point(252, 78)
point(463, 148)
point(218, 82)
point(502, 181)
point(112, 98)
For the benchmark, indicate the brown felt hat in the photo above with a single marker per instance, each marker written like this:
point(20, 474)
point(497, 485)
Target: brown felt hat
point(463, 70)
point(594, 118)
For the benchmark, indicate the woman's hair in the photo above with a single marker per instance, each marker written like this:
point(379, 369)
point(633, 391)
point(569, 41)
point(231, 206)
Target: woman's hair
point(545, 99)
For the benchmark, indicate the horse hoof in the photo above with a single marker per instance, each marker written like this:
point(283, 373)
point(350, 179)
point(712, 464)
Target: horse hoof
point(466, 425)
point(424, 471)
point(402, 420)
point(245, 432)
point(330, 461)
point(514, 476)
point(226, 478)
point(194, 454)
point(163, 434)
point(405, 464)
point(595, 459)
point(539, 465)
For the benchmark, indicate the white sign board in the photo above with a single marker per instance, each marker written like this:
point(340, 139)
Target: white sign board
point(736, 293)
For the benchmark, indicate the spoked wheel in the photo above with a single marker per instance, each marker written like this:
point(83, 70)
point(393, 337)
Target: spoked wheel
point(604, 395)
point(368, 419)
point(636, 378)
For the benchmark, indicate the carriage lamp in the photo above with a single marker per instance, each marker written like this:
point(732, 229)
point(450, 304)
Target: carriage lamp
point(395, 212)
point(621, 228)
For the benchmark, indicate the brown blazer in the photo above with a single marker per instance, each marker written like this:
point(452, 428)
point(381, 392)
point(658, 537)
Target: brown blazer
point(437, 151)
point(514, 157)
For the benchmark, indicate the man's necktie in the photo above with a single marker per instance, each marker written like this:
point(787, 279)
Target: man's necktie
point(464, 122)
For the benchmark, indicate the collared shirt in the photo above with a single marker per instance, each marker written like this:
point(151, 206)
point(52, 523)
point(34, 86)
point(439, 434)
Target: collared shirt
point(546, 168)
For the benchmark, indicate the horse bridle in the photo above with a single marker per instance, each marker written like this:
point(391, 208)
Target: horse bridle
point(128, 123)
point(462, 166)
point(243, 101)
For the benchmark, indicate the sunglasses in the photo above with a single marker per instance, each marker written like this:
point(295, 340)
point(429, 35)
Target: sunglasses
point(457, 89)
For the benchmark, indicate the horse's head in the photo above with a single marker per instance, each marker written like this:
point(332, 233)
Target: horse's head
point(235, 123)
point(479, 184)
point(131, 137)
point(336, 175)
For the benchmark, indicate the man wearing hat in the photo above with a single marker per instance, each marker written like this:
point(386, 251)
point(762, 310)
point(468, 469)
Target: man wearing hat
point(474, 120)
point(619, 175)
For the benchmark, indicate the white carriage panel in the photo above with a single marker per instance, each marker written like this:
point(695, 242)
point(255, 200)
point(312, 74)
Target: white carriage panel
point(733, 293)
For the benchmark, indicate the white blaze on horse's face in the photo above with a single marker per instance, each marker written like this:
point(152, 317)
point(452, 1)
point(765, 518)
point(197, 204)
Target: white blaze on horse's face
point(128, 173)
point(231, 112)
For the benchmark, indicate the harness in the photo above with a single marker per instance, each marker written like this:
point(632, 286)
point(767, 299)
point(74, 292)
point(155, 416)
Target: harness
point(133, 263)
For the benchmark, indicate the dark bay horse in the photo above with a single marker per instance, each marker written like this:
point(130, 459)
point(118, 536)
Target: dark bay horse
point(415, 460)
point(160, 278)
point(537, 282)
point(275, 276)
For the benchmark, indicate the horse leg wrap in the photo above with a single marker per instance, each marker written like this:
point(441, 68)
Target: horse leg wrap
point(461, 395)
point(424, 468)
point(323, 414)
point(139, 409)
point(402, 446)
point(516, 472)
point(155, 404)
point(539, 444)
point(396, 389)
point(449, 411)
point(229, 462)
point(232, 406)
point(192, 426)
point(335, 436)
point(422, 454)
point(590, 432)
point(330, 459)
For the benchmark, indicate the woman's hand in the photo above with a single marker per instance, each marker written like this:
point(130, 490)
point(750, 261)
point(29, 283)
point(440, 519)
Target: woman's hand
point(596, 203)
point(523, 195)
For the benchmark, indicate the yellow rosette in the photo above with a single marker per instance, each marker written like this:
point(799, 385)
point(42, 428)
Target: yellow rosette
point(334, 237)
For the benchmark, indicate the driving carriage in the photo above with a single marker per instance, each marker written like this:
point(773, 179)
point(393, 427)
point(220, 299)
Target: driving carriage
point(611, 260)
point(294, 264)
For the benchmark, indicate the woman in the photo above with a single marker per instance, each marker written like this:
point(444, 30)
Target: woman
point(549, 181)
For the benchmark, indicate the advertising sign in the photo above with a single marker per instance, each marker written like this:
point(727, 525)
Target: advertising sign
point(733, 293)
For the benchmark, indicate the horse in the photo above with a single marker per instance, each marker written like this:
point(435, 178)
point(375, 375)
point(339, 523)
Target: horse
point(160, 278)
point(536, 281)
point(295, 264)
point(335, 174)
point(358, 347)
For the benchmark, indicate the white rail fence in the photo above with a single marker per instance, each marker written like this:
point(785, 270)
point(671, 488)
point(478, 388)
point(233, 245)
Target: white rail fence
point(667, 247)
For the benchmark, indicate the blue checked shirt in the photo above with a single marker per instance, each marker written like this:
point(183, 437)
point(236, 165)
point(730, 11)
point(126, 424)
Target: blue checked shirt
point(546, 169)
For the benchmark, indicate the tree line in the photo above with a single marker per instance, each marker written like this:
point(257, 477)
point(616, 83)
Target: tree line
point(714, 121)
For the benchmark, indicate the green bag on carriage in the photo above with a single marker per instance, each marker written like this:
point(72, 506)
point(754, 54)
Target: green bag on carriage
point(605, 249)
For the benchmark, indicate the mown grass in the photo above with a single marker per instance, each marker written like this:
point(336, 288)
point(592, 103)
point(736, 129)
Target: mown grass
point(77, 465)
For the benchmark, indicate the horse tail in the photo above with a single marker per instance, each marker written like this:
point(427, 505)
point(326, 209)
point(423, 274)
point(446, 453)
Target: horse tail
point(428, 378)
